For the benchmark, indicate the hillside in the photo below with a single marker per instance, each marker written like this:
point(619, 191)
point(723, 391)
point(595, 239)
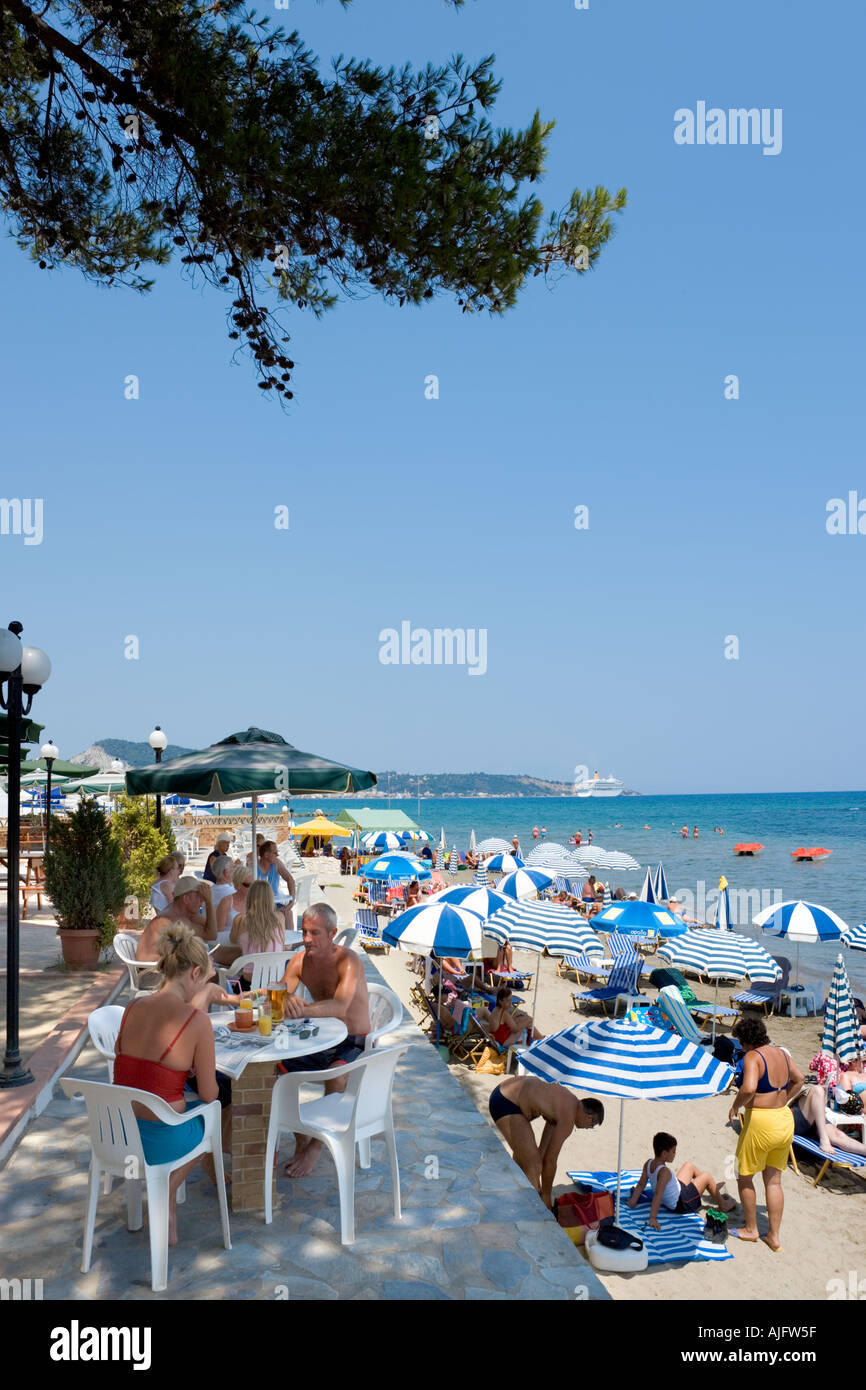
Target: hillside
point(391, 783)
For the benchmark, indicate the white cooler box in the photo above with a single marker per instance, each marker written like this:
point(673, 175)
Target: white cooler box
point(614, 1261)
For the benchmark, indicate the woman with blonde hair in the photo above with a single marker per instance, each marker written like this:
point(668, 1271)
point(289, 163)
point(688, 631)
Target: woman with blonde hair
point(259, 927)
point(167, 875)
point(163, 1037)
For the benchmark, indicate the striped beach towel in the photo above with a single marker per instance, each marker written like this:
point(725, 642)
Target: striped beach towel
point(680, 1238)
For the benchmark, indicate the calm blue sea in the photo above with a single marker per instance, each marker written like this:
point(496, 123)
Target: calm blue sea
point(648, 827)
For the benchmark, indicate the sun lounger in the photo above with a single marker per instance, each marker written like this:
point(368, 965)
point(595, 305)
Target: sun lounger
point(622, 984)
point(837, 1159)
point(368, 927)
point(469, 1045)
point(758, 998)
point(581, 965)
point(672, 1005)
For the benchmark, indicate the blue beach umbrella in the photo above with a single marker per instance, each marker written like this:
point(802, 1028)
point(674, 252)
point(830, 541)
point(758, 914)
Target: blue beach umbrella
point(504, 863)
point(440, 928)
point(540, 927)
point(401, 867)
point(524, 883)
point(647, 893)
point(630, 1060)
point(841, 1028)
point(661, 886)
point(637, 917)
point(800, 921)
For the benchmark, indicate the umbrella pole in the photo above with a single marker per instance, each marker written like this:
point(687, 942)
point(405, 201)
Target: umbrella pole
point(619, 1157)
point(255, 855)
point(715, 1006)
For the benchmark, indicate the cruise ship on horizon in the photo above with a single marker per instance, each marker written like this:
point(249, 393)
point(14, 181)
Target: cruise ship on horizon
point(599, 786)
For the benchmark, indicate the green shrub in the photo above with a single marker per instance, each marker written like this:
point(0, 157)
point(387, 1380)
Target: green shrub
point(83, 871)
point(140, 844)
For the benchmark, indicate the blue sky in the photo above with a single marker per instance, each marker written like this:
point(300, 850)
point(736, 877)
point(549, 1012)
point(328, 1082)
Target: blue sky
point(605, 647)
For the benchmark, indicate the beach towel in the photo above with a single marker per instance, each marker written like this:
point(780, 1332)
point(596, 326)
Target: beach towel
point(681, 1238)
point(458, 1009)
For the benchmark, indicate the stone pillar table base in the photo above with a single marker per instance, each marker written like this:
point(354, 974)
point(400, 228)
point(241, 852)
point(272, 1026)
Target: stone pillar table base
point(251, 1112)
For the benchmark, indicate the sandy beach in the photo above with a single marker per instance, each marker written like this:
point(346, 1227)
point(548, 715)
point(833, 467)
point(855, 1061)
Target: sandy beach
point(823, 1230)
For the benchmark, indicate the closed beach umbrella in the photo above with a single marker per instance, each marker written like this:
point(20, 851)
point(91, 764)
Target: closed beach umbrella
point(481, 877)
point(504, 863)
point(721, 956)
point(453, 861)
point(630, 1060)
point(473, 848)
point(524, 883)
point(722, 918)
point(647, 893)
point(606, 896)
point(841, 1028)
point(380, 840)
point(472, 898)
point(800, 921)
point(440, 859)
point(661, 886)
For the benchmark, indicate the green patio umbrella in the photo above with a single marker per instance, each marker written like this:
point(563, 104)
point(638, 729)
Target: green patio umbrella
point(59, 770)
point(247, 764)
point(100, 784)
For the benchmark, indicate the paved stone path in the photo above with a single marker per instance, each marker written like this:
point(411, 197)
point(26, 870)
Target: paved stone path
point(472, 1227)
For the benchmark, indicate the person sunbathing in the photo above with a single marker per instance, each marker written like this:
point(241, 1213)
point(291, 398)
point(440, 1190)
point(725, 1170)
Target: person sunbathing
point(681, 1193)
point(508, 1026)
point(520, 1100)
point(810, 1122)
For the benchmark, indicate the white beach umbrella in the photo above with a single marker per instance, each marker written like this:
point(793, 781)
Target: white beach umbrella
point(800, 921)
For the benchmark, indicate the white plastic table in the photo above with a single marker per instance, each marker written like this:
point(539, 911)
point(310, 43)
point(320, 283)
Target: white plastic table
point(252, 1067)
point(798, 1003)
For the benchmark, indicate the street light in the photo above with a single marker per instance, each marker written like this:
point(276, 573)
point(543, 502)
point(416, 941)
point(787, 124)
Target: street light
point(158, 743)
point(23, 671)
point(49, 752)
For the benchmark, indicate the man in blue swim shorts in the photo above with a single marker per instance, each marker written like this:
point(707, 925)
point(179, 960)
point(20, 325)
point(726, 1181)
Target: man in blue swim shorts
point(520, 1100)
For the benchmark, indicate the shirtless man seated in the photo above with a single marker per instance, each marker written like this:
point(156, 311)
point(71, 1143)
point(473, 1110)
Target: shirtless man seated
point(335, 979)
point(191, 894)
point(520, 1100)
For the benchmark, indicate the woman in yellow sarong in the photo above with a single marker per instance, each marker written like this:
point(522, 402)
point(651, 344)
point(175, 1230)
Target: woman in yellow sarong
point(770, 1081)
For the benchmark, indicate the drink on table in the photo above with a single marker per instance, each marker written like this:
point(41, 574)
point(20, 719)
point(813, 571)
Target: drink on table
point(276, 995)
point(265, 1017)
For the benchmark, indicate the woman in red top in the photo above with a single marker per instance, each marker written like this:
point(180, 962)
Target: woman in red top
point(506, 1027)
point(162, 1038)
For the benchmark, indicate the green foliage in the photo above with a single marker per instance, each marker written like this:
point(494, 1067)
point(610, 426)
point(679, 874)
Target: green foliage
point(139, 844)
point(83, 871)
point(130, 134)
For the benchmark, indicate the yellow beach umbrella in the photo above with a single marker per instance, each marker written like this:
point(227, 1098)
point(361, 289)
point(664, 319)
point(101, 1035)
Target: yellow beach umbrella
point(320, 825)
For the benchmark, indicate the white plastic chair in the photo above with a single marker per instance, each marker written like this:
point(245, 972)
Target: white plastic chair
point(125, 947)
point(104, 1026)
point(117, 1150)
point(303, 893)
point(386, 1013)
point(267, 967)
point(347, 937)
point(340, 1121)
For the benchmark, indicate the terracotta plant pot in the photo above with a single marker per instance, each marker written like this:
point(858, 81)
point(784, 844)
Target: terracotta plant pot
point(80, 948)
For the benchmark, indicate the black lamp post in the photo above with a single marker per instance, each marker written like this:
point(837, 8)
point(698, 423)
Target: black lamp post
point(23, 671)
point(49, 752)
point(158, 743)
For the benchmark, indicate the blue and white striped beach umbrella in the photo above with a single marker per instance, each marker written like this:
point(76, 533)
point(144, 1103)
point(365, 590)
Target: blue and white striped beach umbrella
point(494, 846)
point(540, 927)
point(606, 899)
point(613, 1057)
point(647, 893)
point(481, 877)
point(721, 955)
point(380, 840)
point(841, 1028)
point(472, 898)
point(504, 863)
point(441, 928)
point(636, 917)
point(800, 921)
point(453, 861)
point(661, 886)
point(524, 883)
point(552, 855)
point(856, 938)
point(440, 859)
